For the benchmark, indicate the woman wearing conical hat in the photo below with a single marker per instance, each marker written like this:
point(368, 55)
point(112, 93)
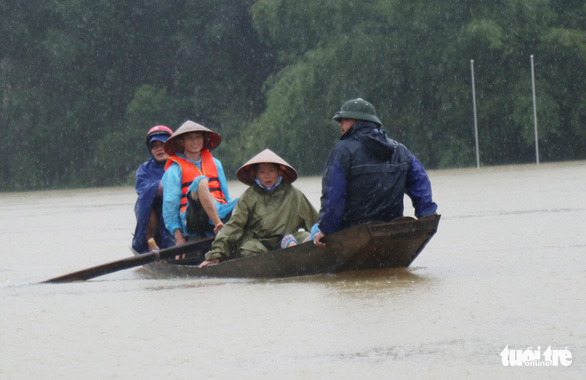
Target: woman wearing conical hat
point(196, 202)
point(268, 215)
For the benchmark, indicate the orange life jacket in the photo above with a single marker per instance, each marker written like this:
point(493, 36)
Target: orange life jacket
point(189, 171)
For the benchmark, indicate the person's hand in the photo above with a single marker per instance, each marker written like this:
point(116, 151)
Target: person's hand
point(218, 227)
point(179, 238)
point(317, 239)
point(208, 262)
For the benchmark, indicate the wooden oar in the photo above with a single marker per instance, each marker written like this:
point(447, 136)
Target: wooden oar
point(132, 262)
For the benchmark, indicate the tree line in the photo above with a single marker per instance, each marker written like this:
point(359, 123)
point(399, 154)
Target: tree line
point(82, 81)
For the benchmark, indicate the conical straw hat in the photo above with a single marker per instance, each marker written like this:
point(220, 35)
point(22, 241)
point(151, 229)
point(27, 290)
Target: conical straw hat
point(172, 145)
point(247, 175)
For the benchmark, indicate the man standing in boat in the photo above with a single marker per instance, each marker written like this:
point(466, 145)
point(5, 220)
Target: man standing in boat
point(367, 175)
point(148, 207)
point(196, 202)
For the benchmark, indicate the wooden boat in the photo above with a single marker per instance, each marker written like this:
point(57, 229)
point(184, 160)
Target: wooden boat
point(365, 246)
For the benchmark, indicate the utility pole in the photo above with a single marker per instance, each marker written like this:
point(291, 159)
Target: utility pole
point(475, 118)
point(534, 111)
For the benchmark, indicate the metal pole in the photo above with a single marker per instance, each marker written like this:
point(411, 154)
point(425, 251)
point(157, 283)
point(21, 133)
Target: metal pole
point(534, 111)
point(475, 118)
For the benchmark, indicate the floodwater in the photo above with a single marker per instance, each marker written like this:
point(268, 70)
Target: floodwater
point(507, 268)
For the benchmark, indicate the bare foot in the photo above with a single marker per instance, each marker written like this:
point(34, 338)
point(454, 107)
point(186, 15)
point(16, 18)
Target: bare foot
point(288, 241)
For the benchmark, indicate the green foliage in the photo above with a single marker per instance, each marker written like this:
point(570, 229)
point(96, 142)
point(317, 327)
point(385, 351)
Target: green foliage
point(124, 149)
point(82, 81)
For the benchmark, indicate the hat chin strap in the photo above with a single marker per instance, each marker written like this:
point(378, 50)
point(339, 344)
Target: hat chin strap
point(268, 188)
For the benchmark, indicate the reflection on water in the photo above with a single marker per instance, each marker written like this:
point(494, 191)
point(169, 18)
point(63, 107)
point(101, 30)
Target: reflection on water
point(507, 267)
point(367, 283)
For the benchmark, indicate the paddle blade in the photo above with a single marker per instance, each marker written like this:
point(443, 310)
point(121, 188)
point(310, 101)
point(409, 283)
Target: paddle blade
point(134, 261)
point(103, 269)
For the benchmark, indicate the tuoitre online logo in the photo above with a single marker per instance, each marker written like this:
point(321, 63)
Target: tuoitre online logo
point(536, 358)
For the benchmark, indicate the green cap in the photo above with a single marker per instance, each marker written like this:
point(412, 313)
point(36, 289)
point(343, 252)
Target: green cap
point(358, 109)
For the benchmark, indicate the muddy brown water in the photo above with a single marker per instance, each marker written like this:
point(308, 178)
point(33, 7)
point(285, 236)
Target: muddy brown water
point(507, 269)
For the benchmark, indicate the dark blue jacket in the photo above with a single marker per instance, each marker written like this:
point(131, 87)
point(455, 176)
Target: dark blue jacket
point(148, 177)
point(366, 178)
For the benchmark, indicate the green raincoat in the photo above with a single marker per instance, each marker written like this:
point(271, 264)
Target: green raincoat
point(260, 220)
